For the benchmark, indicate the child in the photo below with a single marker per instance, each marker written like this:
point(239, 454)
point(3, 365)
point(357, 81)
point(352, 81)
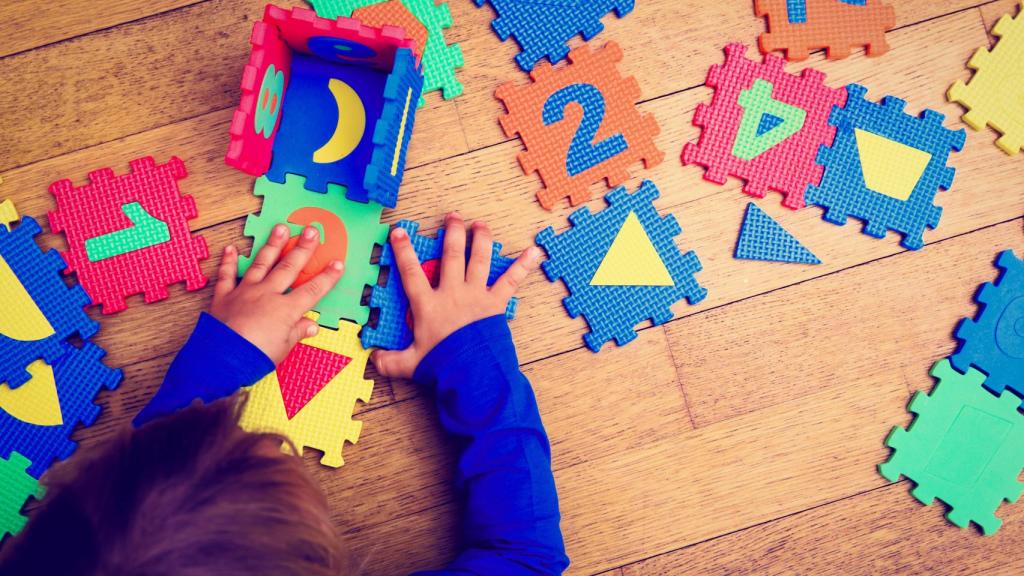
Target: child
point(189, 493)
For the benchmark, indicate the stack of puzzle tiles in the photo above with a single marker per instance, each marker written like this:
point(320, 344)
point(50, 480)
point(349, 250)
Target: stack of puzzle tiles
point(327, 112)
point(966, 444)
point(48, 384)
point(580, 125)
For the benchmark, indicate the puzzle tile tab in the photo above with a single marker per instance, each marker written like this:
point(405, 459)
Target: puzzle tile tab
point(613, 310)
point(965, 447)
point(764, 125)
point(148, 263)
point(579, 124)
point(995, 95)
point(543, 28)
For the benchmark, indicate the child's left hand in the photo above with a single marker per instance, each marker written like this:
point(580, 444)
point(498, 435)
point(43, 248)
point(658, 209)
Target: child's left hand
point(257, 308)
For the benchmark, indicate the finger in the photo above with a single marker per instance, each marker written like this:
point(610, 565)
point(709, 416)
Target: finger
point(304, 328)
point(267, 255)
point(306, 296)
point(283, 275)
point(409, 269)
point(396, 363)
point(227, 273)
point(480, 256)
point(506, 286)
point(453, 254)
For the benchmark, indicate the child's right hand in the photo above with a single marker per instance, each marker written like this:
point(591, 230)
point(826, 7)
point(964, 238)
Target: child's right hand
point(259, 308)
point(462, 296)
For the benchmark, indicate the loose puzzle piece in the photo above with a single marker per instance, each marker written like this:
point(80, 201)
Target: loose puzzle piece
point(885, 167)
point(8, 214)
point(37, 419)
point(319, 408)
point(579, 124)
point(764, 125)
point(439, 59)
point(117, 216)
point(762, 238)
point(543, 28)
point(16, 486)
point(621, 266)
point(392, 330)
point(40, 311)
point(348, 232)
point(800, 26)
point(993, 341)
point(995, 95)
point(965, 447)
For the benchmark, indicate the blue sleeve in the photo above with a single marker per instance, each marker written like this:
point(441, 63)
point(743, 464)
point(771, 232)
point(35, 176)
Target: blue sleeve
point(213, 364)
point(511, 523)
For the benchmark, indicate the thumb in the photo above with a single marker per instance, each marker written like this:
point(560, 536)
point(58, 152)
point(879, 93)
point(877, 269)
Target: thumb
point(396, 363)
point(304, 328)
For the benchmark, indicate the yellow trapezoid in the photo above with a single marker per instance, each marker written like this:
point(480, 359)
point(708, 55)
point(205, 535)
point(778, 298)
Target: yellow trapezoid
point(889, 167)
point(632, 259)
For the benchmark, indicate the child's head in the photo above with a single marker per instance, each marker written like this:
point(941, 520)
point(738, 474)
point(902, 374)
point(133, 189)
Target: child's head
point(189, 494)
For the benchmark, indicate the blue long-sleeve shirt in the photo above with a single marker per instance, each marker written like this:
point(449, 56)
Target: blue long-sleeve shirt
point(511, 519)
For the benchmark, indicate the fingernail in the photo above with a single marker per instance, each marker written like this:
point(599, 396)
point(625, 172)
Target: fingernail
point(533, 254)
point(399, 233)
point(278, 230)
point(309, 233)
point(337, 265)
point(312, 330)
point(454, 215)
point(229, 250)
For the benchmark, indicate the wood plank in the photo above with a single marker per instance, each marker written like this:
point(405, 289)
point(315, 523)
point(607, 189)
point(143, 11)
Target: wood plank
point(698, 485)
point(666, 46)
point(96, 88)
point(29, 24)
point(926, 294)
point(884, 531)
point(992, 11)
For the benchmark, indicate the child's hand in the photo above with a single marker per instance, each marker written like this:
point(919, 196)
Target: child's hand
point(258, 308)
point(462, 296)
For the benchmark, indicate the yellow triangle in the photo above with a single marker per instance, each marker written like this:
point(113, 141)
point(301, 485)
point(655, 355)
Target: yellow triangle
point(35, 401)
point(632, 260)
point(889, 167)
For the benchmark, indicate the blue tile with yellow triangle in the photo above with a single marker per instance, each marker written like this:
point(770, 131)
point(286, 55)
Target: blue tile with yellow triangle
point(621, 266)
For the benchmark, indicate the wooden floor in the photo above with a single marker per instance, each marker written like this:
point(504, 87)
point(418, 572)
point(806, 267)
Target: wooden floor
point(741, 437)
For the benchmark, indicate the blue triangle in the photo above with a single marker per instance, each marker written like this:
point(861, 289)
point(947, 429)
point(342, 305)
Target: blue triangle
point(762, 238)
point(768, 123)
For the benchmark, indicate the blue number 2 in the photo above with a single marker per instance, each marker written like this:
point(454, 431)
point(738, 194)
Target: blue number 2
point(583, 153)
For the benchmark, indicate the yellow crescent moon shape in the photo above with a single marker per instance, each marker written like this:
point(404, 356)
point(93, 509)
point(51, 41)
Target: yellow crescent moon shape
point(351, 124)
point(35, 401)
point(22, 319)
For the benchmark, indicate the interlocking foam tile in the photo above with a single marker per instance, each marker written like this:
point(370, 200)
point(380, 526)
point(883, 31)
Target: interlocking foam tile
point(39, 310)
point(320, 404)
point(764, 125)
point(885, 167)
point(579, 124)
point(993, 341)
point(16, 486)
point(621, 266)
point(965, 447)
point(392, 330)
point(543, 28)
point(762, 238)
point(394, 13)
point(139, 261)
point(37, 419)
point(439, 59)
point(800, 26)
point(8, 214)
point(995, 94)
point(349, 230)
